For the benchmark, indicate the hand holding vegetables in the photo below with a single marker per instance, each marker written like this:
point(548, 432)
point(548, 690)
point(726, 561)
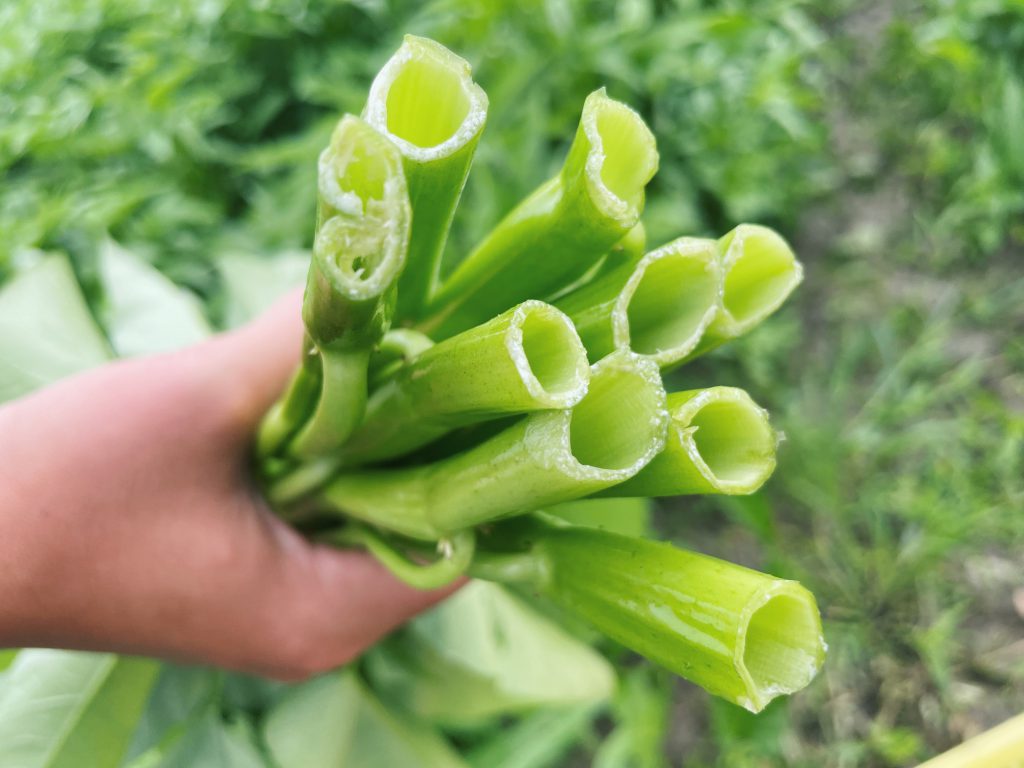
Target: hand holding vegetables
point(423, 451)
point(129, 522)
point(531, 376)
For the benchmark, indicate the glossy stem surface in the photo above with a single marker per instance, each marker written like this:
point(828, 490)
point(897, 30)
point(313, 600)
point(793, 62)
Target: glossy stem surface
point(719, 441)
point(658, 306)
point(561, 230)
point(739, 634)
point(527, 359)
point(545, 458)
point(425, 101)
point(358, 252)
point(759, 272)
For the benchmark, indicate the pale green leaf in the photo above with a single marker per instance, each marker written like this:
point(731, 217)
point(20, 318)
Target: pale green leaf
point(7, 658)
point(292, 730)
point(540, 740)
point(383, 739)
point(334, 721)
point(63, 709)
point(46, 331)
point(485, 652)
point(179, 700)
point(210, 742)
point(253, 283)
point(146, 313)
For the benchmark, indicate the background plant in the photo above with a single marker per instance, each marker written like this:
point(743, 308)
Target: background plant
point(881, 138)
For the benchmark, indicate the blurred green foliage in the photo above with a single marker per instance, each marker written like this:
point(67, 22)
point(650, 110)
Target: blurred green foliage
point(884, 138)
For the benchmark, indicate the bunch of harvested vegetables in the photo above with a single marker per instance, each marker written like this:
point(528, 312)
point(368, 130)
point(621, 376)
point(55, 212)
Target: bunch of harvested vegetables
point(433, 422)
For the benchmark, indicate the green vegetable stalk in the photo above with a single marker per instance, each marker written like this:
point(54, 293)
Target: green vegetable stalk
point(659, 306)
point(527, 359)
point(560, 231)
point(719, 441)
point(424, 100)
point(339, 449)
point(739, 634)
point(759, 271)
point(359, 251)
point(545, 458)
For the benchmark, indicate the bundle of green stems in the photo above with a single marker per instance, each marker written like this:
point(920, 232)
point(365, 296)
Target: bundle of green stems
point(431, 422)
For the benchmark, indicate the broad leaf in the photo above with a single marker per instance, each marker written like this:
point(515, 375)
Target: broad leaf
point(485, 652)
point(334, 721)
point(540, 740)
point(180, 698)
point(46, 331)
point(297, 731)
point(253, 283)
point(208, 742)
point(60, 709)
point(145, 312)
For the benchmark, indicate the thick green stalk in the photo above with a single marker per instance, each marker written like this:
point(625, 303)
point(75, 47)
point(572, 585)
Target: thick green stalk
point(719, 441)
point(560, 231)
point(424, 100)
point(398, 348)
point(359, 251)
point(629, 250)
point(545, 458)
point(527, 359)
point(759, 272)
point(739, 634)
point(659, 306)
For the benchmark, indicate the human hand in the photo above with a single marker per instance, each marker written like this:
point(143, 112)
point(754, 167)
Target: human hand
point(128, 521)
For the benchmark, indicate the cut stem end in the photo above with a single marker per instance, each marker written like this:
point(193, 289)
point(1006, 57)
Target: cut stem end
point(425, 100)
point(365, 216)
point(669, 301)
point(623, 155)
point(761, 271)
point(729, 438)
point(781, 645)
point(548, 354)
point(620, 425)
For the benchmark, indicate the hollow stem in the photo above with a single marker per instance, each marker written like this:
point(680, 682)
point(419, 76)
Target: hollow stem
point(545, 458)
point(659, 306)
point(424, 100)
point(760, 271)
point(739, 634)
point(719, 441)
point(358, 252)
point(526, 359)
point(561, 230)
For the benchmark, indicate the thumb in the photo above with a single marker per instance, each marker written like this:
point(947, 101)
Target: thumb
point(262, 356)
